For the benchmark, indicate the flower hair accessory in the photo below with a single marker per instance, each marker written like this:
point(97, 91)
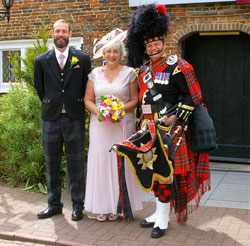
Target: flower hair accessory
point(73, 61)
point(110, 109)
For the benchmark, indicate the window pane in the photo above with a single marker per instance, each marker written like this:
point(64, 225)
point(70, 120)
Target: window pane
point(8, 75)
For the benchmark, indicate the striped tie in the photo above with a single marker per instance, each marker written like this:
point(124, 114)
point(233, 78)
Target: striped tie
point(61, 58)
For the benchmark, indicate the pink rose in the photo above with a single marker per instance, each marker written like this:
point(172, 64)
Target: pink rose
point(107, 117)
point(104, 104)
point(111, 111)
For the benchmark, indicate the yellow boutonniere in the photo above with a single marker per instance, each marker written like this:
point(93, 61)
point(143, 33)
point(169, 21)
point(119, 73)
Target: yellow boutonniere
point(73, 62)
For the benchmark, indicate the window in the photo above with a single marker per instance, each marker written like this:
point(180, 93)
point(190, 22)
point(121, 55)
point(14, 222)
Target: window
point(19, 47)
point(7, 74)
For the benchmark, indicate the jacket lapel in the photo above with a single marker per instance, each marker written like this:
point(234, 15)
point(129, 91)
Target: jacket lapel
point(68, 70)
point(53, 64)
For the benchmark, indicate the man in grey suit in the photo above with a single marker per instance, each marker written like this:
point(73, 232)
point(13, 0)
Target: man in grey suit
point(60, 78)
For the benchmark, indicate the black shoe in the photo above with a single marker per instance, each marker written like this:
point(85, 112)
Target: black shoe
point(49, 212)
point(145, 224)
point(77, 215)
point(157, 232)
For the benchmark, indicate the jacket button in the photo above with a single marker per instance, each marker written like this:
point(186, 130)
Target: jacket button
point(62, 90)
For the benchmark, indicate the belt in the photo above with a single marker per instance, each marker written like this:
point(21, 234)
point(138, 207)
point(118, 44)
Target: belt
point(153, 108)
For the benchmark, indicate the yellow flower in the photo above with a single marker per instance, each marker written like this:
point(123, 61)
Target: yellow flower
point(119, 105)
point(114, 107)
point(74, 60)
point(123, 113)
point(114, 117)
point(108, 101)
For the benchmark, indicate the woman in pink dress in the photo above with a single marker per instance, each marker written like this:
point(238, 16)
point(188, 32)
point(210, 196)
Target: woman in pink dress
point(102, 187)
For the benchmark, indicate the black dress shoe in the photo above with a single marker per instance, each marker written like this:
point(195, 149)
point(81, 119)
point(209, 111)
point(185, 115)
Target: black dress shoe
point(49, 212)
point(77, 215)
point(157, 232)
point(145, 224)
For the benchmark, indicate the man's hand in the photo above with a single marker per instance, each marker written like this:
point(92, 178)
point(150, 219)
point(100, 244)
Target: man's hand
point(168, 120)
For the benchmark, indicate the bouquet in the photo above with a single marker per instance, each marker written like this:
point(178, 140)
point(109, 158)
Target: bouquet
point(110, 108)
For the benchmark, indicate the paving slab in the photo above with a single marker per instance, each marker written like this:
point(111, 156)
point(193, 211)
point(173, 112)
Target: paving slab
point(209, 225)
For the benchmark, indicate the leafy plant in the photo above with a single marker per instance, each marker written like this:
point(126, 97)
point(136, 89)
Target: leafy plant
point(21, 155)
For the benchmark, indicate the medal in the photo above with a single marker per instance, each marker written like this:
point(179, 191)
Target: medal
point(162, 78)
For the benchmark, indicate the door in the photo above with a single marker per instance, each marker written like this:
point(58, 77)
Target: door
point(222, 66)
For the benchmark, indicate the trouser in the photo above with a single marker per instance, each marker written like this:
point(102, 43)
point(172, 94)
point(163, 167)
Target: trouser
point(72, 134)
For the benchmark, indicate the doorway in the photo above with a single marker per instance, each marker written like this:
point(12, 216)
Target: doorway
point(222, 66)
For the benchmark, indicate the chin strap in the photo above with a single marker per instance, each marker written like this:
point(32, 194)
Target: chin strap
point(158, 51)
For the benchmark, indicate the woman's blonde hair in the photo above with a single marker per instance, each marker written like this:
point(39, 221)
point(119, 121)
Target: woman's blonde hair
point(118, 44)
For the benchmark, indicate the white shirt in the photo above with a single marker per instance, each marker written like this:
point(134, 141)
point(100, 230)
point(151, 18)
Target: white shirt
point(65, 53)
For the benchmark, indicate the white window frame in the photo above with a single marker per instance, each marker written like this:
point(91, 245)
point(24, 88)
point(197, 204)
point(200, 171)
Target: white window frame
point(136, 3)
point(22, 45)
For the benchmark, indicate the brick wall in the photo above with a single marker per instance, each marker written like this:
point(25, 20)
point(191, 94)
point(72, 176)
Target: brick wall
point(94, 18)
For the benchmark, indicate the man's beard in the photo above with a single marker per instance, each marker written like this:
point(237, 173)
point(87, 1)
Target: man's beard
point(61, 44)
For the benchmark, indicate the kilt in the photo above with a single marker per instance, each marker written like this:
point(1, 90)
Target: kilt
point(71, 133)
point(191, 174)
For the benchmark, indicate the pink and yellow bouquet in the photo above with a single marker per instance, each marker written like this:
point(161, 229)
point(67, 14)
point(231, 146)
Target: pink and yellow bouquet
point(110, 108)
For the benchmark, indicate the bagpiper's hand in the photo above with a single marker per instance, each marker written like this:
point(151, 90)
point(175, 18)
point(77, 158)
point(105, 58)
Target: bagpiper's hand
point(184, 112)
point(168, 120)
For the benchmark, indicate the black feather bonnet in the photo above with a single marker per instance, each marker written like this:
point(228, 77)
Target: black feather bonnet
point(148, 23)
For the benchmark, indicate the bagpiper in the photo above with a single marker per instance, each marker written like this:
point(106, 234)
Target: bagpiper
point(165, 81)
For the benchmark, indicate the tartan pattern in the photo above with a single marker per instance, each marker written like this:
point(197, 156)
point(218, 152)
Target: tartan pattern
point(147, 150)
point(192, 176)
point(155, 188)
point(203, 131)
point(158, 66)
point(145, 147)
point(165, 192)
point(123, 207)
point(192, 82)
point(71, 133)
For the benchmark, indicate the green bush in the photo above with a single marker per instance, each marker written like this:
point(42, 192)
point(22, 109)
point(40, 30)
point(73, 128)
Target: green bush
point(21, 153)
point(21, 158)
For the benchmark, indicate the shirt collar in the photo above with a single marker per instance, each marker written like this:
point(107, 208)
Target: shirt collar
point(65, 53)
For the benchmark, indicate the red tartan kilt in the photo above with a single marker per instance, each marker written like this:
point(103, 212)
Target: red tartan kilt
point(191, 175)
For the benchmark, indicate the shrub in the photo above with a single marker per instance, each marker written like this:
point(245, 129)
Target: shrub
point(21, 158)
point(21, 155)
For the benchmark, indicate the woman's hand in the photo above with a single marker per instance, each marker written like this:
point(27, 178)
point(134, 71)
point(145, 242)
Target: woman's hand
point(89, 98)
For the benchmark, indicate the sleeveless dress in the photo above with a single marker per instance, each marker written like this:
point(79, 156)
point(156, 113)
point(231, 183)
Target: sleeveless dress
point(102, 187)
